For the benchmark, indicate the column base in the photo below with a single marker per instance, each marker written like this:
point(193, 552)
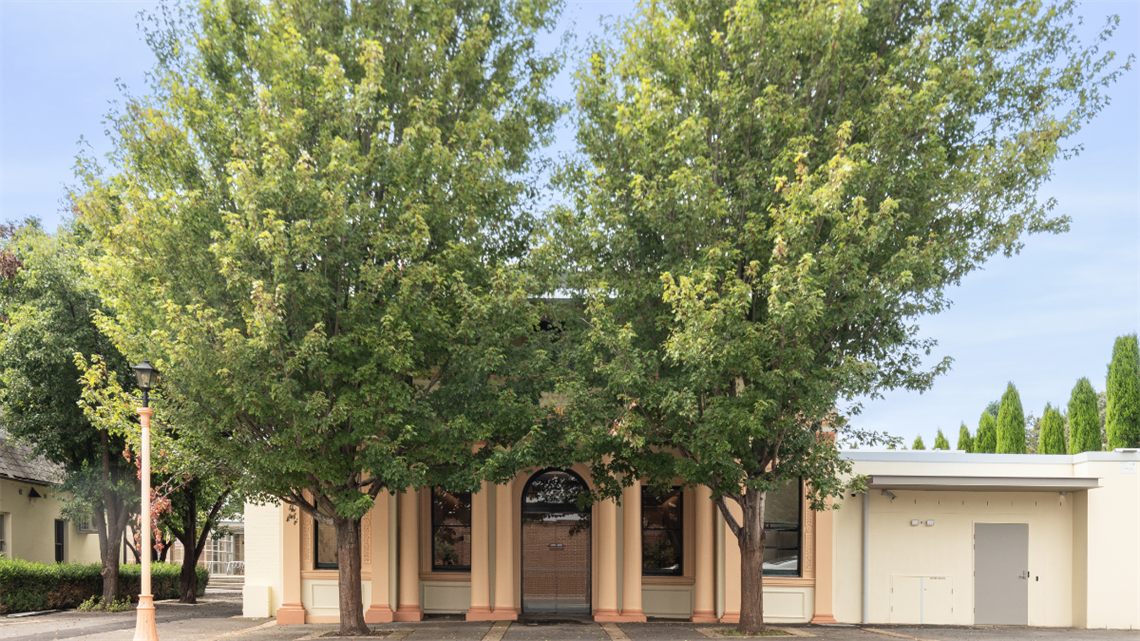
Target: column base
point(730, 617)
point(409, 613)
point(703, 616)
point(378, 614)
point(823, 618)
point(144, 623)
point(630, 616)
point(290, 614)
point(480, 613)
point(607, 615)
point(504, 613)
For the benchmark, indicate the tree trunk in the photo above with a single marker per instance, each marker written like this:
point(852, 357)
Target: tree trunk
point(348, 559)
point(189, 578)
point(110, 521)
point(188, 583)
point(751, 541)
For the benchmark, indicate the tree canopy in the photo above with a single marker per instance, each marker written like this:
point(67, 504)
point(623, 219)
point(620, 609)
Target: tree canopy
point(769, 195)
point(1052, 432)
point(1084, 419)
point(313, 226)
point(1011, 423)
point(1122, 416)
point(965, 442)
point(48, 307)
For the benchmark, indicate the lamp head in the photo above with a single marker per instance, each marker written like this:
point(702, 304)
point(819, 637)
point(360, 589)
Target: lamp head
point(147, 376)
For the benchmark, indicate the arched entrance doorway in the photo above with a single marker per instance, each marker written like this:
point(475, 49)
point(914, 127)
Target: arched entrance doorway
point(555, 545)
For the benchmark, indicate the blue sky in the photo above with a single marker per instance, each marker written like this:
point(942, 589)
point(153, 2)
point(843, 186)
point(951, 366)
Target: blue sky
point(1041, 319)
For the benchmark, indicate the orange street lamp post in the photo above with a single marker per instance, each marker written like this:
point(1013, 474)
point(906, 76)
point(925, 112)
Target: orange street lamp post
point(145, 629)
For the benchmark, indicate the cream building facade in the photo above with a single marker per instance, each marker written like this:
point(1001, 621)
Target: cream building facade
point(908, 551)
point(31, 526)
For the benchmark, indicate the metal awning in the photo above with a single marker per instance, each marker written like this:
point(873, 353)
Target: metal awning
point(982, 483)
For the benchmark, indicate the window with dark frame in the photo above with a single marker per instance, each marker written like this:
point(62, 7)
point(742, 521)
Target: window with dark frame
point(662, 533)
point(324, 540)
point(450, 531)
point(60, 534)
point(783, 519)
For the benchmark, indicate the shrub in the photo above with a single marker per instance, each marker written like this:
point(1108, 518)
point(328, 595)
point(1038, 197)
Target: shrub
point(1084, 419)
point(1052, 432)
point(986, 439)
point(1011, 423)
point(940, 442)
point(1122, 416)
point(27, 586)
point(965, 442)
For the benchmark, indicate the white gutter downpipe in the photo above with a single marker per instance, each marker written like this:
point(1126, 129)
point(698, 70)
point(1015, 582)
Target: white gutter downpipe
point(866, 552)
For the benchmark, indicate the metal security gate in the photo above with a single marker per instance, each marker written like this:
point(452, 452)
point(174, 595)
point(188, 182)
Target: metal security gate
point(1001, 573)
point(555, 545)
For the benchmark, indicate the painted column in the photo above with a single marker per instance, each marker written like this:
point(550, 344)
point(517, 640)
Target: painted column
point(480, 609)
point(704, 606)
point(732, 567)
point(631, 561)
point(606, 518)
point(290, 612)
point(409, 599)
point(505, 551)
point(380, 610)
point(824, 567)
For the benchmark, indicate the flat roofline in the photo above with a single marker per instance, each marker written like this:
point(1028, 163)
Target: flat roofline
point(958, 456)
point(981, 483)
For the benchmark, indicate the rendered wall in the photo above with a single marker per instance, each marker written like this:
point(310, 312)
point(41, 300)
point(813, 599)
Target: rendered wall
point(1113, 540)
point(940, 558)
point(1084, 547)
point(30, 525)
point(261, 594)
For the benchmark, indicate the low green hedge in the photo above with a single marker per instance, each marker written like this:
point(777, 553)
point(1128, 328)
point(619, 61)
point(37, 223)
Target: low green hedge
point(27, 586)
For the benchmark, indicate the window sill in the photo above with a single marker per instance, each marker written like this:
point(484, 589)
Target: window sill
point(457, 577)
point(331, 575)
point(657, 579)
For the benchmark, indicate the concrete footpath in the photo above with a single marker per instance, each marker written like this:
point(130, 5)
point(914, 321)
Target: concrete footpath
point(219, 617)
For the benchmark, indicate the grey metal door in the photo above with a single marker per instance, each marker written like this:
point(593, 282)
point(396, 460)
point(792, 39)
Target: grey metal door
point(1001, 573)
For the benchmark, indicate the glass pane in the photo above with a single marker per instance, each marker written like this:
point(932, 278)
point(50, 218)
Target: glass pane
point(450, 508)
point(451, 547)
point(782, 526)
point(326, 545)
point(553, 489)
point(661, 510)
point(783, 508)
point(661, 551)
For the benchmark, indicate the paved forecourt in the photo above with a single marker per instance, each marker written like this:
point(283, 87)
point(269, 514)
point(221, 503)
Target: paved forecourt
point(219, 618)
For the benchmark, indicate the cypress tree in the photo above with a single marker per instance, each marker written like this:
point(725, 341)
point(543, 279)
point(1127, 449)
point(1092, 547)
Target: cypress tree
point(1122, 416)
point(940, 442)
point(986, 440)
point(1052, 432)
point(1084, 420)
point(918, 444)
point(965, 442)
point(1011, 423)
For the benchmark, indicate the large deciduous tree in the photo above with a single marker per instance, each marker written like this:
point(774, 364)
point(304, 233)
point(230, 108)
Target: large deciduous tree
point(47, 307)
point(1084, 419)
point(312, 227)
point(771, 193)
point(1011, 423)
point(1122, 415)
